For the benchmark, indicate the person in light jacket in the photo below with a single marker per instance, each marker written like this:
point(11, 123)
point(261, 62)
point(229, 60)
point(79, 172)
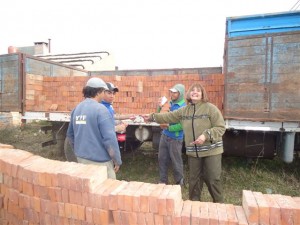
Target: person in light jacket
point(203, 126)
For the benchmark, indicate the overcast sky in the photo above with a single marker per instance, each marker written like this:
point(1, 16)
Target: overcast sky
point(141, 34)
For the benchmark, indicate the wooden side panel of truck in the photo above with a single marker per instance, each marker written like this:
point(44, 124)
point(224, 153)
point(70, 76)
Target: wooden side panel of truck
point(262, 80)
point(263, 77)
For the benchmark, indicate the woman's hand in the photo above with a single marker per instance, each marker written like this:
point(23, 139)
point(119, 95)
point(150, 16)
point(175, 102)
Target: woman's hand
point(199, 141)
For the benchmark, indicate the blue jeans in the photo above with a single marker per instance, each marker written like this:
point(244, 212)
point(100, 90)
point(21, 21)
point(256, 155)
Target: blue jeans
point(170, 152)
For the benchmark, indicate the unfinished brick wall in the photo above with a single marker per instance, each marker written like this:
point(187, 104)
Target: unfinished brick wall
point(137, 94)
point(35, 190)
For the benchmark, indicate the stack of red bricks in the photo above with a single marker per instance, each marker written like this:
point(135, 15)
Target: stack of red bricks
point(35, 190)
point(137, 94)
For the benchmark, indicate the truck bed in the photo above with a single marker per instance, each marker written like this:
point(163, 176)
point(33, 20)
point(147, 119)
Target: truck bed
point(262, 69)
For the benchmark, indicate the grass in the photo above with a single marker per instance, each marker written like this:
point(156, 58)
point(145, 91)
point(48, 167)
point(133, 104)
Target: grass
point(261, 175)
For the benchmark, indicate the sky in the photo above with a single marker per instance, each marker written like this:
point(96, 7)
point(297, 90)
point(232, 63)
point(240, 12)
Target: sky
point(140, 34)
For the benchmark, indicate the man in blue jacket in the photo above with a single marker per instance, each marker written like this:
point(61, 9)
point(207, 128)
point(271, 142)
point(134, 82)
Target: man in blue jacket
point(91, 130)
point(170, 145)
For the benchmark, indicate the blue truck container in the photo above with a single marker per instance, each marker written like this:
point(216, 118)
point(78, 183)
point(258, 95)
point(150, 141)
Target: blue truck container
point(262, 82)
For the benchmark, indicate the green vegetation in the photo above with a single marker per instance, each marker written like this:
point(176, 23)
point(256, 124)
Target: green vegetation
point(261, 175)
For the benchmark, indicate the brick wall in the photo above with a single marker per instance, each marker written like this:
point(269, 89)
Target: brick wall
point(35, 190)
point(137, 94)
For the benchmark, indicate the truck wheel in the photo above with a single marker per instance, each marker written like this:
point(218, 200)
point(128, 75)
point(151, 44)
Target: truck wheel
point(132, 145)
point(69, 153)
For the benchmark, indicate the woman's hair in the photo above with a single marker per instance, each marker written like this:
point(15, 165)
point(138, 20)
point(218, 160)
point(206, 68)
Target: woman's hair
point(198, 87)
point(90, 92)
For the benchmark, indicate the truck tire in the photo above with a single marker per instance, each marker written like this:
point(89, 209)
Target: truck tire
point(69, 153)
point(132, 145)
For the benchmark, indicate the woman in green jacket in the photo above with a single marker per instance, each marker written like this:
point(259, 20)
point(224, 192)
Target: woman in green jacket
point(203, 127)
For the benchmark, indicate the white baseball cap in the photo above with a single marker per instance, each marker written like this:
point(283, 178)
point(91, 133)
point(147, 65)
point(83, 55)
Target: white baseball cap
point(96, 82)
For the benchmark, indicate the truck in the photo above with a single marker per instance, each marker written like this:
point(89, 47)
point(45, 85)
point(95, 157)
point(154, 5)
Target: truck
point(257, 89)
point(262, 80)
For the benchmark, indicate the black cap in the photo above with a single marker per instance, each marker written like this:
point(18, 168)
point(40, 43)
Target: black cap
point(111, 87)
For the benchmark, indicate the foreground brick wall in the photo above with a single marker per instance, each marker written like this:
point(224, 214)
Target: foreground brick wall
point(35, 190)
point(138, 94)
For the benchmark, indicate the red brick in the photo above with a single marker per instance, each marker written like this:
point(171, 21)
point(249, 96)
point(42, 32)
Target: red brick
point(101, 216)
point(195, 212)
point(117, 217)
point(13, 196)
point(141, 218)
point(27, 188)
point(213, 213)
point(72, 210)
point(290, 210)
point(61, 209)
point(153, 198)
point(222, 214)
point(38, 170)
point(35, 204)
point(9, 160)
point(29, 215)
point(144, 199)
point(240, 214)
point(81, 212)
point(17, 184)
point(162, 200)
point(45, 218)
point(45, 206)
point(129, 217)
point(23, 173)
point(85, 199)
point(65, 174)
point(275, 214)
point(127, 195)
point(231, 215)
point(52, 175)
point(93, 176)
point(203, 217)
point(250, 207)
point(77, 177)
point(149, 218)
point(297, 200)
point(263, 207)
point(174, 200)
point(75, 197)
point(136, 198)
point(167, 220)
point(53, 210)
point(89, 215)
point(55, 194)
point(186, 212)
point(43, 192)
point(5, 146)
point(24, 200)
point(7, 180)
point(115, 188)
point(158, 219)
point(68, 210)
point(65, 195)
point(95, 196)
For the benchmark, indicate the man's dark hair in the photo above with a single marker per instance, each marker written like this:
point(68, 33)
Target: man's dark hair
point(90, 92)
